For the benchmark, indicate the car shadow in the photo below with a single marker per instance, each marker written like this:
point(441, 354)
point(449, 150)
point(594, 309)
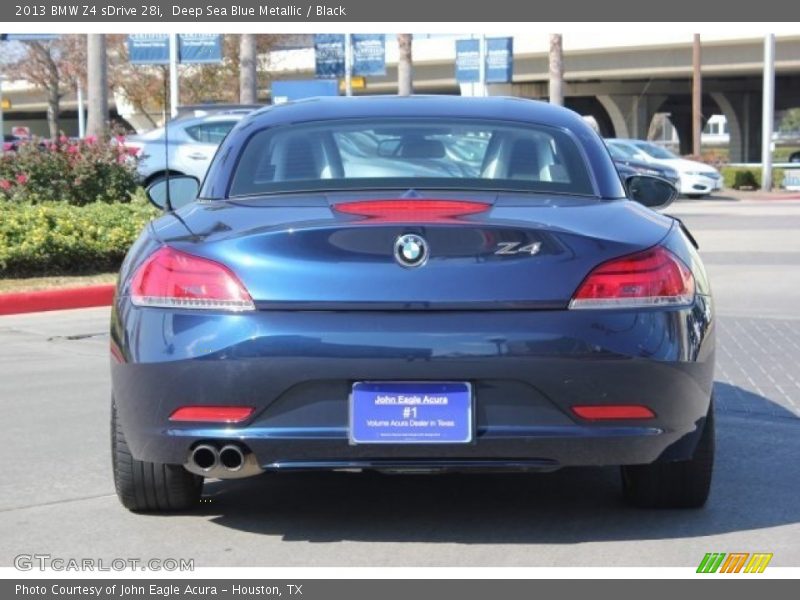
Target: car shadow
point(756, 485)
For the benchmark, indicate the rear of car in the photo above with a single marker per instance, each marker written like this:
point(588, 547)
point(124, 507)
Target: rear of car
point(411, 285)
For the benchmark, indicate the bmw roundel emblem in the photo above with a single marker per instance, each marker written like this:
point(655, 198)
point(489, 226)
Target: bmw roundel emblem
point(411, 250)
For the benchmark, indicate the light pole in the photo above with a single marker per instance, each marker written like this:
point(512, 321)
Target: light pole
point(768, 111)
point(81, 115)
point(482, 91)
point(348, 64)
point(697, 96)
point(173, 75)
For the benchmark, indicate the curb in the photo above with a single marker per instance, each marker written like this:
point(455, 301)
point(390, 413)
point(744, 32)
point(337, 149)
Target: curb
point(58, 299)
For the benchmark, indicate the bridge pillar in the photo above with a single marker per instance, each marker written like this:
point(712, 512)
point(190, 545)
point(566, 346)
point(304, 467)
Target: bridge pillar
point(631, 115)
point(743, 112)
point(681, 119)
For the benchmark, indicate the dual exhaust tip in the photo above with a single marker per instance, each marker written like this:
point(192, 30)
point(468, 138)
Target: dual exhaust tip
point(206, 457)
point(227, 462)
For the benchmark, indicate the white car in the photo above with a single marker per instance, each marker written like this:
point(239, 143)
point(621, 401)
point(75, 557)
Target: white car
point(192, 143)
point(696, 179)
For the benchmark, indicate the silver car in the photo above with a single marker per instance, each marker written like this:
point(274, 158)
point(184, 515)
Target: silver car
point(192, 143)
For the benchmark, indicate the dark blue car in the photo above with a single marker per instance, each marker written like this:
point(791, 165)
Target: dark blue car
point(412, 284)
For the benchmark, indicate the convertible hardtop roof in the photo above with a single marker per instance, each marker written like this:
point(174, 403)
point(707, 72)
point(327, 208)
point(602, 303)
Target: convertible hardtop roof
point(494, 107)
point(498, 108)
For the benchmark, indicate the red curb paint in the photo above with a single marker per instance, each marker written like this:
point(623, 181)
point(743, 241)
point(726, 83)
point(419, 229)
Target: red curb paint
point(776, 197)
point(38, 301)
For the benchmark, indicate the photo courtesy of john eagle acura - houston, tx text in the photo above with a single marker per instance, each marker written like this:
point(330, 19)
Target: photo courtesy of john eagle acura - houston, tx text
point(412, 284)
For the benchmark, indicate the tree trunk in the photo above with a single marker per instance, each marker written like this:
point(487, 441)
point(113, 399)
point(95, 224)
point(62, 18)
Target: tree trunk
point(97, 85)
point(53, 108)
point(50, 81)
point(405, 69)
point(556, 70)
point(248, 87)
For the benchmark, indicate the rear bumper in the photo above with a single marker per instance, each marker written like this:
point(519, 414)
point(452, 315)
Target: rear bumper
point(527, 369)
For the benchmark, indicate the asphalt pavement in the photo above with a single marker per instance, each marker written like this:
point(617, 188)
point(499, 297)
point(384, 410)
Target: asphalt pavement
point(56, 493)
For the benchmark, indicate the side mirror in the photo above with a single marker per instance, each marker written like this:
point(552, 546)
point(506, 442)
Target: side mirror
point(653, 192)
point(180, 189)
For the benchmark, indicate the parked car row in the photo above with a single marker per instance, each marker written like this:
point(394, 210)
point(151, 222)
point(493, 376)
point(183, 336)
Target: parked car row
point(695, 179)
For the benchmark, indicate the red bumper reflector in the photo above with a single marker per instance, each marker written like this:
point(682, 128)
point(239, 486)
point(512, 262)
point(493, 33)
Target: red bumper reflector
point(412, 210)
point(215, 414)
point(613, 411)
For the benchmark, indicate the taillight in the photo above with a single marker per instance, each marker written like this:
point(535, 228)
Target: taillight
point(212, 414)
point(173, 279)
point(424, 210)
point(655, 277)
point(613, 412)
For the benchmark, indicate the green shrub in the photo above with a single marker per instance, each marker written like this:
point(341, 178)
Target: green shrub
point(743, 177)
point(53, 238)
point(77, 172)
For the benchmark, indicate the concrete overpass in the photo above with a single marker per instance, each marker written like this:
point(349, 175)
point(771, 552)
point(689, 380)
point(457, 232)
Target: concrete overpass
point(622, 79)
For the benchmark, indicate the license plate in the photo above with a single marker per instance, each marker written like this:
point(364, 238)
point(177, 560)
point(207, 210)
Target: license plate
point(411, 413)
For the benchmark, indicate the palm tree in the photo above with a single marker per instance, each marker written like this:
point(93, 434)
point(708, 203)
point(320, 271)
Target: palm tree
point(556, 70)
point(248, 88)
point(405, 74)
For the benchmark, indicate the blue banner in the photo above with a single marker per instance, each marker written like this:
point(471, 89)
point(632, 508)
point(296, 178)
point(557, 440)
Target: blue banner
point(369, 54)
point(329, 55)
point(148, 48)
point(467, 61)
point(200, 48)
point(153, 48)
point(296, 89)
point(31, 37)
point(499, 60)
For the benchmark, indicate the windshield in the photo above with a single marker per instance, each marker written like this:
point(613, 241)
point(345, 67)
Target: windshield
point(622, 151)
point(655, 150)
point(411, 153)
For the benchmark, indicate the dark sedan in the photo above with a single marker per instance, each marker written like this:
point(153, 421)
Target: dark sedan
point(628, 166)
point(405, 285)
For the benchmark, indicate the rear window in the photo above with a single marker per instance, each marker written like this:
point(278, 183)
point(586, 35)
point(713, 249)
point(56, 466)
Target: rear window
point(210, 133)
point(405, 153)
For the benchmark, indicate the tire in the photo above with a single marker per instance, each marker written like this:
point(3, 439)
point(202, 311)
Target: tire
point(146, 486)
point(696, 196)
point(678, 484)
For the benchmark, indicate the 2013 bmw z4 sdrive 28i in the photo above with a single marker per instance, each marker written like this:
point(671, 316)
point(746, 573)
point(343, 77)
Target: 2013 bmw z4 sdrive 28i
point(412, 284)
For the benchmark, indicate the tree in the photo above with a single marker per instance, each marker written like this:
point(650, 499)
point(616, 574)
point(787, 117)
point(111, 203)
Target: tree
point(248, 69)
point(556, 70)
point(97, 77)
point(790, 121)
point(405, 71)
point(143, 85)
point(53, 66)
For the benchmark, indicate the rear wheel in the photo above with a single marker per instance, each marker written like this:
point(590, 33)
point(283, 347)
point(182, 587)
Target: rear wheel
point(679, 484)
point(147, 486)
